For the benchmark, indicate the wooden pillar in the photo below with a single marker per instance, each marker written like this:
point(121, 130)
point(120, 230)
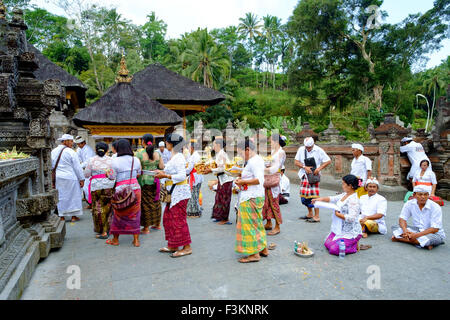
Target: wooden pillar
point(184, 124)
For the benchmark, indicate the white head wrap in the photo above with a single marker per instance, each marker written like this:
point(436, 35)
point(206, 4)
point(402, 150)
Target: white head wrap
point(421, 188)
point(66, 137)
point(406, 139)
point(358, 146)
point(79, 139)
point(372, 180)
point(308, 142)
point(161, 144)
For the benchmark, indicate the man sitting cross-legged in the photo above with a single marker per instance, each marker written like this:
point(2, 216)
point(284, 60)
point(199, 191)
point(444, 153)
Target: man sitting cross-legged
point(427, 230)
point(373, 209)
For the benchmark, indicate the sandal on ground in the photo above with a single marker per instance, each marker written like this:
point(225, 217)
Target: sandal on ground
point(248, 260)
point(180, 254)
point(271, 246)
point(75, 219)
point(136, 245)
point(267, 228)
point(364, 247)
point(305, 218)
point(312, 221)
point(167, 250)
point(109, 241)
point(156, 228)
point(145, 232)
point(265, 255)
point(273, 233)
point(99, 236)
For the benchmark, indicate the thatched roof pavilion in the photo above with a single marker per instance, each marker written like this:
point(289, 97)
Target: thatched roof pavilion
point(175, 91)
point(75, 89)
point(125, 112)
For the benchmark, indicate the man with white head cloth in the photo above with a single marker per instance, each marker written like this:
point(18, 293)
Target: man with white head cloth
point(163, 152)
point(361, 167)
point(69, 179)
point(311, 159)
point(415, 153)
point(85, 153)
point(373, 209)
point(427, 230)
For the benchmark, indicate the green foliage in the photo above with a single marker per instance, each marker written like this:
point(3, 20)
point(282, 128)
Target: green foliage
point(323, 64)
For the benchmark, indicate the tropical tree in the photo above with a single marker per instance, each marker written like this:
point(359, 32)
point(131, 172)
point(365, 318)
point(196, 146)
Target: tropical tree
point(208, 62)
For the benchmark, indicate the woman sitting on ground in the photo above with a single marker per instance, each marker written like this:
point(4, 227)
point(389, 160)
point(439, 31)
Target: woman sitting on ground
point(425, 177)
point(344, 223)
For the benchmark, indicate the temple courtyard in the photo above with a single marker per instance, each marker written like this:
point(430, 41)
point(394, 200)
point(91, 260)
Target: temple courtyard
point(212, 271)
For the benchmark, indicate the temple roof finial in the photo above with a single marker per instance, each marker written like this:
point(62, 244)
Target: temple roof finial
point(123, 76)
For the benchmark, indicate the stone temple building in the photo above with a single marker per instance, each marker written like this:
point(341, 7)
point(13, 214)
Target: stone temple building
point(28, 226)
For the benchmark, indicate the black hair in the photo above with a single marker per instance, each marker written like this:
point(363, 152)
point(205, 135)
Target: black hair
point(176, 140)
point(220, 142)
point(246, 143)
point(101, 148)
point(124, 148)
point(277, 137)
point(424, 160)
point(352, 181)
point(150, 148)
point(114, 144)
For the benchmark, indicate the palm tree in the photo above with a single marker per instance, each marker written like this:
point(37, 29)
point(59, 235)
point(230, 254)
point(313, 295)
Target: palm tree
point(249, 28)
point(208, 61)
point(271, 32)
point(431, 83)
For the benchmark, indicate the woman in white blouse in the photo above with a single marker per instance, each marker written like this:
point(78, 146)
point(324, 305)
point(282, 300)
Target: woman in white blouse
point(344, 223)
point(271, 209)
point(251, 235)
point(175, 216)
point(125, 169)
point(426, 177)
point(100, 189)
point(221, 209)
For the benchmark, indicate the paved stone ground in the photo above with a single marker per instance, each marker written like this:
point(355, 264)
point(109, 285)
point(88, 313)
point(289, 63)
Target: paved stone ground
point(212, 271)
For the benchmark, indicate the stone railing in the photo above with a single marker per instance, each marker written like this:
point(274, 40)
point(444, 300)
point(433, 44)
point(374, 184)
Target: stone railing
point(28, 229)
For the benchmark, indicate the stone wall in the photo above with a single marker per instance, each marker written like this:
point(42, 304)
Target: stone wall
point(28, 226)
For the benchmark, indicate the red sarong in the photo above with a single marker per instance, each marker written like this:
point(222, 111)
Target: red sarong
point(175, 225)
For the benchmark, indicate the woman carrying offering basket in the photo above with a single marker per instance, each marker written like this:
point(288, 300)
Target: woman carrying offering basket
point(179, 192)
point(271, 208)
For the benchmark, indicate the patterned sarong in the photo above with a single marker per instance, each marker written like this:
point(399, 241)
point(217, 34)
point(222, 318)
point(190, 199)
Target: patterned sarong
point(221, 209)
point(128, 221)
point(151, 209)
point(308, 191)
point(175, 225)
point(271, 209)
point(101, 209)
point(351, 245)
point(193, 206)
point(250, 232)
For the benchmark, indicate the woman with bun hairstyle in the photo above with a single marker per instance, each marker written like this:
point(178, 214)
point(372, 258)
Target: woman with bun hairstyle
point(179, 192)
point(271, 209)
point(150, 186)
point(344, 223)
point(100, 189)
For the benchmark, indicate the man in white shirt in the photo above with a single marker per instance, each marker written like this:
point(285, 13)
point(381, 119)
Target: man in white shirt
point(361, 167)
point(426, 230)
point(163, 152)
point(85, 153)
point(415, 153)
point(373, 210)
point(311, 159)
point(285, 187)
point(69, 179)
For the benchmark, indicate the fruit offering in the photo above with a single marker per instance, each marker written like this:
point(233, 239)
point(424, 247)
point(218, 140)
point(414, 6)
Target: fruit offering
point(13, 155)
point(303, 249)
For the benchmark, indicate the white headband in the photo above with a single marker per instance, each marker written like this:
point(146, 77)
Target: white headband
point(372, 180)
point(405, 139)
point(358, 146)
point(421, 188)
point(161, 144)
point(309, 142)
